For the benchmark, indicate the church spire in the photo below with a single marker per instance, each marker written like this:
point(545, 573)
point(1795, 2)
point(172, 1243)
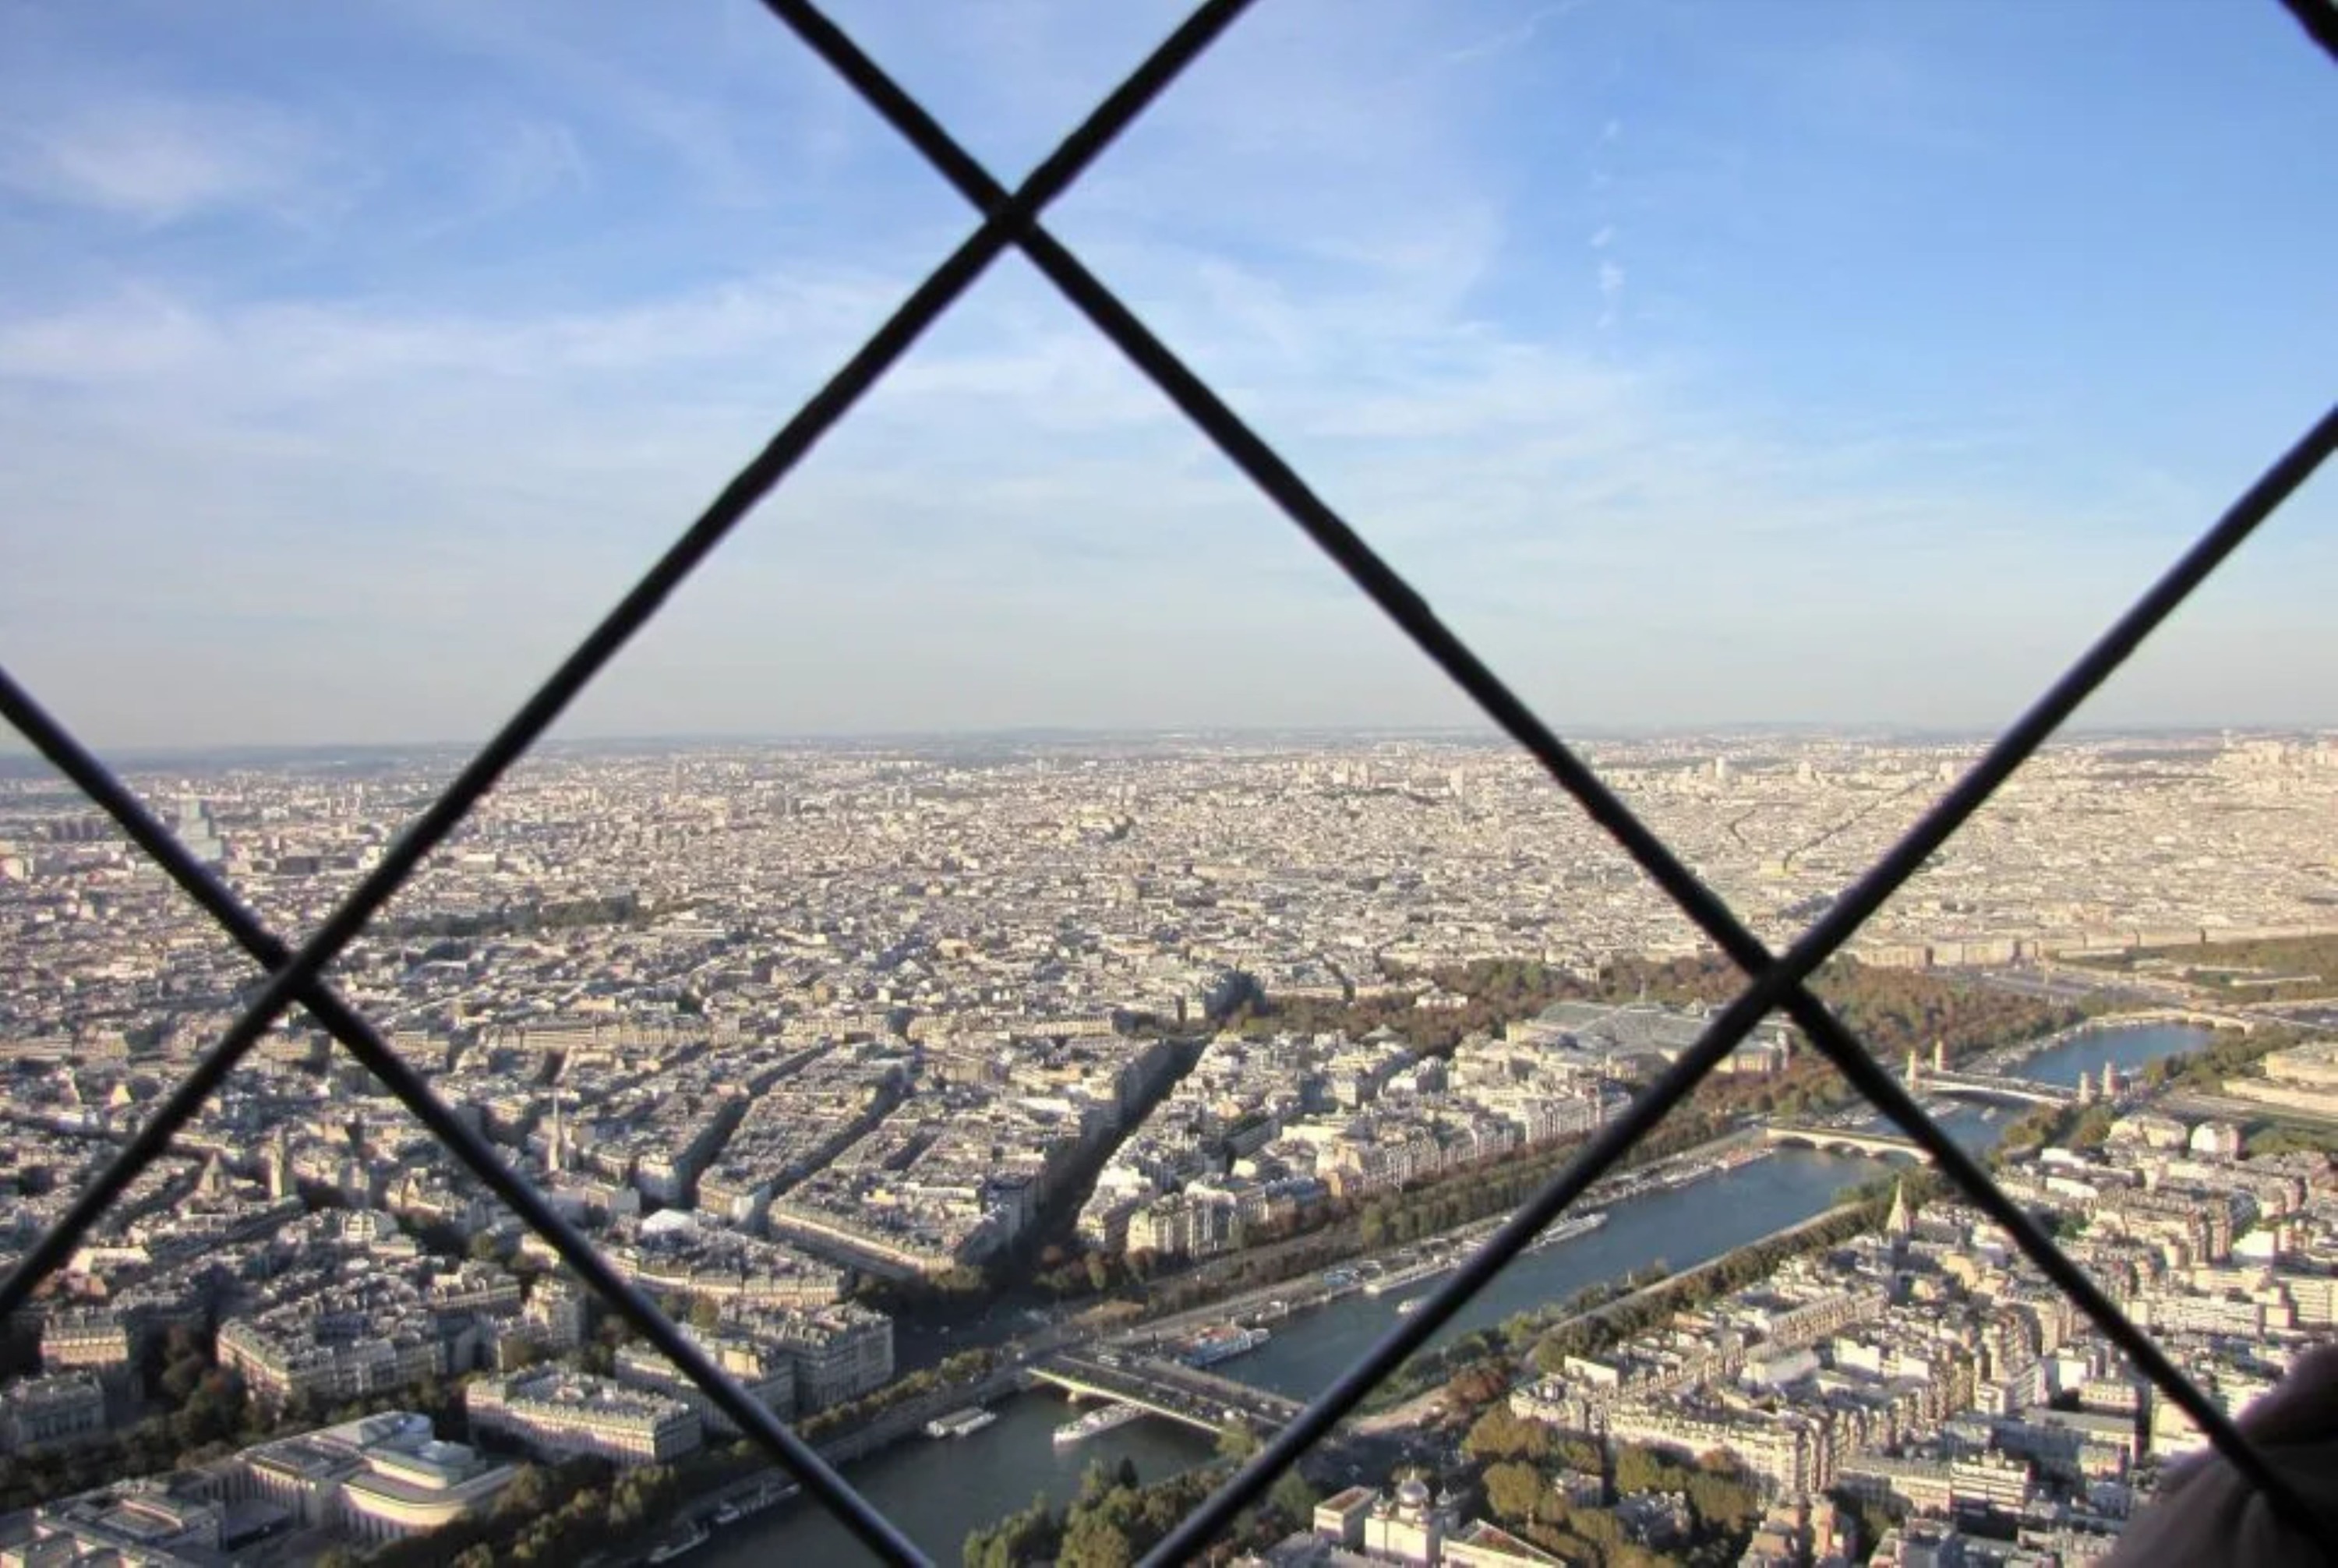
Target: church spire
point(276, 1166)
point(1902, 1220)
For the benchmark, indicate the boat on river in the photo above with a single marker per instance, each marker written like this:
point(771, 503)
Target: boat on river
point(1411, 1274)
point(1103, 1418)
point(1211, 1346)
point(960, 1423)
point(1567, 1229)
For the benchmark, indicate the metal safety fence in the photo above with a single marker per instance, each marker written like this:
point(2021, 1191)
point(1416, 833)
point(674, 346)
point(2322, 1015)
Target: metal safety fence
point(1011, 218)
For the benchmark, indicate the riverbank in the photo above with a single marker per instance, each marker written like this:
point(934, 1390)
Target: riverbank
point(939, 1490)
point(1417, 1410)
point(1299, 1296)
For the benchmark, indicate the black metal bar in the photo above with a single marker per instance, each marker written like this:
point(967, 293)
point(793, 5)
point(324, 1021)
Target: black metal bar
point(1781, 981)
point(297, 974)
point(999, 230)
point(2280, 480)
point(407, 853)
point(2320, 20)
point(1012, 218)
point(398, 1076)
point(1282, 485)
point(1784, 982)
point(1858, 902)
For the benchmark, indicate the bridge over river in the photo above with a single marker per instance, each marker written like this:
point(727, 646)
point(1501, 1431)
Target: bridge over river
point(1841, 1140)
point(1994, 1086)
point(1862, 1132)
point(1170, 1389)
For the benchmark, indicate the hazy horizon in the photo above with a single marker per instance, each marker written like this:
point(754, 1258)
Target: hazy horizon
point(16, 756)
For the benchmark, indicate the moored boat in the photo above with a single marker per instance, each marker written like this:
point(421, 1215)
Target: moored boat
point(1213, 1345)
point(960, 1423)
point(1567, 1229)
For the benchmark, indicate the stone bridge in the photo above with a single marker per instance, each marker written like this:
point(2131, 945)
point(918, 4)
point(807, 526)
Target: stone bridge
point(1841, 1140)
point(1170, 1389)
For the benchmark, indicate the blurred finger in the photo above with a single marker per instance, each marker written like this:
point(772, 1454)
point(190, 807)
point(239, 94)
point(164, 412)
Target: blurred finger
point(2210, 1516)
point(2303, 1408)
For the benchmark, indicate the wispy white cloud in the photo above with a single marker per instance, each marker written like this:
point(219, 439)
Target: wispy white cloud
point(147, 341)
point(635, 257)
point(1514, 36)
point(526, 159)
point(156, 158)
point(691, 115)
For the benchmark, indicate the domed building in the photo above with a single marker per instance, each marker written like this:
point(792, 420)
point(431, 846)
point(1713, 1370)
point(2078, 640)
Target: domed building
point(1360, 1526)
point(1409, 1525)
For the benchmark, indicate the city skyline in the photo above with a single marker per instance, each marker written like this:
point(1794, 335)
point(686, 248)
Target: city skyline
point(347, 398)
point(18, 759)
point(925, 1083)
point(1017, 927)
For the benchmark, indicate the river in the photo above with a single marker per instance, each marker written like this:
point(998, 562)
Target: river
point(939, 1490)
point(2127, 1049)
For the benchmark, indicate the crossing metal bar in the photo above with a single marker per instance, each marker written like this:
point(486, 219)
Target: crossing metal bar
point(1013, 218)
point(398, 1076)
point(752, 482)
point(1779, 983)
point(296, 976)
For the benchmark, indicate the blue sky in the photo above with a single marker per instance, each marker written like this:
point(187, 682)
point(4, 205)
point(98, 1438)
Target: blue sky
point(1707, 361)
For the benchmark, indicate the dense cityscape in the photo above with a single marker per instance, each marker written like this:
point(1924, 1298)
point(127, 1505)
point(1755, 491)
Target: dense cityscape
point(1014, 783)
point(930, 1081)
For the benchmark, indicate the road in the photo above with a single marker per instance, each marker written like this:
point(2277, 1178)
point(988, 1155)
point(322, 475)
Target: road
point(1171, 1388)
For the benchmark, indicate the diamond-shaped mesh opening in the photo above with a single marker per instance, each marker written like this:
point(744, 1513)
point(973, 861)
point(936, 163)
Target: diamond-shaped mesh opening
point(146, 1167)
